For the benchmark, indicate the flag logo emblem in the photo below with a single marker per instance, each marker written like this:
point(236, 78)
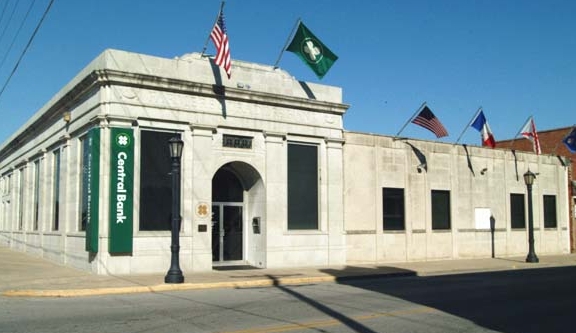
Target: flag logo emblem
point(312, 49)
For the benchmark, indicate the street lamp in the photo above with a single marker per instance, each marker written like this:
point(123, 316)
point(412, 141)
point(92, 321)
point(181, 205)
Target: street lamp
point(529, 177)
point(174, 274)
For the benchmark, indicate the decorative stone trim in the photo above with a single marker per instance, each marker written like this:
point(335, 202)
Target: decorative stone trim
point(360, 232)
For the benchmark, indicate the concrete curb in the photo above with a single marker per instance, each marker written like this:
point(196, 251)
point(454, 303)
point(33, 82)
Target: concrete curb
point(190, 286)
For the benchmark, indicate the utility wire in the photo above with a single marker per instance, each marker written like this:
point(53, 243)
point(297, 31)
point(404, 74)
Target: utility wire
point(9, 20)
point(17, 34)
point(26, 48)
point(4, 10)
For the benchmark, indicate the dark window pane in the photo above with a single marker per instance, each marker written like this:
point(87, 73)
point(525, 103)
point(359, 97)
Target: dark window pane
point(440, 210)
point(36, 192)
point(517, 211)
point(302, 187)
point(56, 192)
point(550, 211)
point(155, 180)
point(85, 179)
point(393, 208)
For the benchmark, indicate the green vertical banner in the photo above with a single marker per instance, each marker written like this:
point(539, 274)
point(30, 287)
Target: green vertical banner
point(90, 187)
point(121, 190)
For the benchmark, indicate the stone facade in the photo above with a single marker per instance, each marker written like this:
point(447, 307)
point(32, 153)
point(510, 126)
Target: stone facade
point(477, 179)
point(42, 170)
point(551, 143)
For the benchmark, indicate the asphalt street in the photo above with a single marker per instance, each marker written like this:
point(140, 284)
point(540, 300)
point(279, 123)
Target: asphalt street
point(515, 301)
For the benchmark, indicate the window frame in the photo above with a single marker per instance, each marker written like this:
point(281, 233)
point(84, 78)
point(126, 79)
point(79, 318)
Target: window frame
point(310, 220)
point(396, 197)
point(36, 195)
point(550, 211)
point(439, 212)
point(514, 219)
point(56, 172)
point(21, 196)
point(162, 221)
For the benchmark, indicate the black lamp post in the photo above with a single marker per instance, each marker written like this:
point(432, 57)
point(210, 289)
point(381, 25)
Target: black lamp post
point(529, 177)
point(174, 274)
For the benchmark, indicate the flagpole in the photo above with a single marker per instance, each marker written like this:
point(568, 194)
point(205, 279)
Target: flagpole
point(215, 21)
point(409, 120)
point(287, 41)
point(470, 123)
point(520, 130)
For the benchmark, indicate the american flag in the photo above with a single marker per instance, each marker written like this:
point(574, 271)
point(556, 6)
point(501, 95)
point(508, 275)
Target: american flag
point(220, 39)
point(428, 120)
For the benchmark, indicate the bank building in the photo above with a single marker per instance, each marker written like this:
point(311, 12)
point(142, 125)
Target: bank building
point(269, 178)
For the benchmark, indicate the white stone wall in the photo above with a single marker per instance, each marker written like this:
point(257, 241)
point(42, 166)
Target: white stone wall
point(373, 162)
point(184, 95)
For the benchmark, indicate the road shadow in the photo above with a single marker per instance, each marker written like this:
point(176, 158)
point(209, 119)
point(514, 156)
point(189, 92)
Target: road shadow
point(349, 322)
point(515, 301)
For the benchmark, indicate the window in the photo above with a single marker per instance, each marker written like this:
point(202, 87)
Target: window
point(21, 199)
point(155, 181)
point(56, 192)
point(517, 211)
point(393, 208)
point(550, 211)
point(302, 187)
point(440, 210)
point(36, 194)
point(84, 181)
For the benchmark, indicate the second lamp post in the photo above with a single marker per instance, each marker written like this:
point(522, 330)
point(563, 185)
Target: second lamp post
point(529, 177)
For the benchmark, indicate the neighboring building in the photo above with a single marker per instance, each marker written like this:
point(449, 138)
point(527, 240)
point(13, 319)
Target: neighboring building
point(269, 177)
point(551, 144)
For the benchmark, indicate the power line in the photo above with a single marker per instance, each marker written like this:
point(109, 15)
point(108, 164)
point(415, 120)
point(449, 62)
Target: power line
point(26, 48)
point(17, 33)
point(4, 11)
point(9, 20)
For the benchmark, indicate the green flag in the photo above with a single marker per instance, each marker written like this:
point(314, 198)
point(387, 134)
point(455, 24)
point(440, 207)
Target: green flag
point(312, 51)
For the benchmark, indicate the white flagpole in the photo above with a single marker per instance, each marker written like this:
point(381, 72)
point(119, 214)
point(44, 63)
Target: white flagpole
point(409, 120)
point(287, 41)
point(520, 130)
point(470, 123)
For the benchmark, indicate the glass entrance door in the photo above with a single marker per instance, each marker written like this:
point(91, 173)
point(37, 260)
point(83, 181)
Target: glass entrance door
point(227, 232)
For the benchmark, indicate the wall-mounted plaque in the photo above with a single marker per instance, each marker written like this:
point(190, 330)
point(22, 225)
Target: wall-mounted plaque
point(235, 141)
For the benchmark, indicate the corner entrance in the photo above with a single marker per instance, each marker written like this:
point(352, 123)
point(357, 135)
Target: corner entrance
point(237, 197)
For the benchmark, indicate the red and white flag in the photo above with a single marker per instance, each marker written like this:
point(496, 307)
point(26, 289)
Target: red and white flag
point(529, 132)
point(220, 39)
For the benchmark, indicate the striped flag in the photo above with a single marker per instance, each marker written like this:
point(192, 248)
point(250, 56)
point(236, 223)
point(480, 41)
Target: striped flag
point(529, 132)
point(220, 39)
point(428, 120)
point(481, 125)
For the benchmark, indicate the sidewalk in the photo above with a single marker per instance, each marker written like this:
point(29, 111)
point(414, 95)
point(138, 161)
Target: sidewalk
point(28, 276)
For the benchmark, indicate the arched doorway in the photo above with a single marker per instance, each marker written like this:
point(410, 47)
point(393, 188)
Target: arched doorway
point(236, 186)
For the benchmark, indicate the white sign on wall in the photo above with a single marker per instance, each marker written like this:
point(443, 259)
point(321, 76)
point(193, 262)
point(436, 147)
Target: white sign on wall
point(482, 218)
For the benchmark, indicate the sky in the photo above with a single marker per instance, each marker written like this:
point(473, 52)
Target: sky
point(513, 58)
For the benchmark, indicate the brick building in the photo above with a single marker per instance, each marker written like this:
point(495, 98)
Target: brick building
point(551, 143)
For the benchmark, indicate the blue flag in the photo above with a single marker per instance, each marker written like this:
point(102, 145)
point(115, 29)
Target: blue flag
point(570, 140)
